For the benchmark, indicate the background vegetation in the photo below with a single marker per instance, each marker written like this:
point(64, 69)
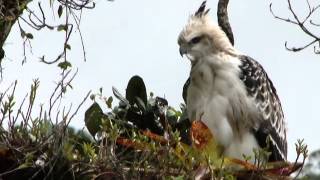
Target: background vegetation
point(42, 145)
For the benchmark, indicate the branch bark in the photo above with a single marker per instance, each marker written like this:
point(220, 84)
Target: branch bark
point(223, 19)
point(10, 10)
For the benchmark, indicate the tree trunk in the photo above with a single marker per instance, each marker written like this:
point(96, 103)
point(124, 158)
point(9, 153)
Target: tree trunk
point(10, 10)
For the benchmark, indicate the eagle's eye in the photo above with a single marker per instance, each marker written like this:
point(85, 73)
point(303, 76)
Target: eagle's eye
point(195, 40)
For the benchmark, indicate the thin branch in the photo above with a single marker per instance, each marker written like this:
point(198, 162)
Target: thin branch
point(315, 24)
point(56, 95)
point(78, 20)
point(79, 106)
point(316, 50)
point(280, 18)
point(11, 11)
point(301, 24)
point(78, 4)
point(294, 49)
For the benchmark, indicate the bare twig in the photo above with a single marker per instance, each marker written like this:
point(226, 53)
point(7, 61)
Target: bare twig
point(301, 149)
point(77, 20)
point(301, 23)
point(11, 11)
point(62, 85)
point(313, 23)
point(76, 111)
point(3, 104)
point(78, 4)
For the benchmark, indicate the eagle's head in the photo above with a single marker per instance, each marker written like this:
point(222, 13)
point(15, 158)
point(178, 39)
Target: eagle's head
point(201, 37)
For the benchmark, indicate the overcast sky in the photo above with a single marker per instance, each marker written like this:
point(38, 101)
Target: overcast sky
point(125, 38)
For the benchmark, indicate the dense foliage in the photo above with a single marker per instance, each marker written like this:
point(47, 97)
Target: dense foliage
point(141, 137)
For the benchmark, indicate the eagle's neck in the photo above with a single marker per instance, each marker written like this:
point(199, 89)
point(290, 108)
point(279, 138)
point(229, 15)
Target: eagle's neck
point(223, 60)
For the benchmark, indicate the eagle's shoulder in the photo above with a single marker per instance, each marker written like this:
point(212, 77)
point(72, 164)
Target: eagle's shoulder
point(261, 89)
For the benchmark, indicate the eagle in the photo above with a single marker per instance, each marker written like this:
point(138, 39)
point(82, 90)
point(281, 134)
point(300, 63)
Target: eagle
point(230, 92)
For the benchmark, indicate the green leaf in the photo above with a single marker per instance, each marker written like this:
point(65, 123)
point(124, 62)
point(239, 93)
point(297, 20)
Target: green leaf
point(68, 149)
point(23, 33)
point(67, 46)
point(92, 97)
point(64, 65)
point(136, 89)
point(171, 115)
point(62, 27)
point(181, 177)
point(89, 151)
point(109, 102)
point(171, 112)
point(29, 35)
point(119, 96)
point(60, 10)
point(24, 165)
point(93, 117)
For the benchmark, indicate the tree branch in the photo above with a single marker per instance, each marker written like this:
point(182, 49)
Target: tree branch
point(223, 19)
point(297, 21)
point(11, 11)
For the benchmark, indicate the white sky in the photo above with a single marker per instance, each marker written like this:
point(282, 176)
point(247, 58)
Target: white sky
point(124, 38)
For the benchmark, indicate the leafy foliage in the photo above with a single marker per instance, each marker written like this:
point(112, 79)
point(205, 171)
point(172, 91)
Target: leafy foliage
point(160, 133)
point(136, 92)
point(140, 138)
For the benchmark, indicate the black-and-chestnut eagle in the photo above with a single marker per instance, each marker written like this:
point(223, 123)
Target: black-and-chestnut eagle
point(230, 92)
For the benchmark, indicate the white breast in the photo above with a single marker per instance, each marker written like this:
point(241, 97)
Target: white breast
point(218, 97)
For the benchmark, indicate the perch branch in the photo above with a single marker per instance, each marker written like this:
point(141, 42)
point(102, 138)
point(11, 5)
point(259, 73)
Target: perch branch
point(223, 19)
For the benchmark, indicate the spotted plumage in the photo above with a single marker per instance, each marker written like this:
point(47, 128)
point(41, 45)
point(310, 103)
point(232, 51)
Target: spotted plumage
point(230, 92)
point(260, 87)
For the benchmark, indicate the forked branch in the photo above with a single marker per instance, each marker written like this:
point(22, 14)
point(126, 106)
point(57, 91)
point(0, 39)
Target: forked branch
point(305, 23)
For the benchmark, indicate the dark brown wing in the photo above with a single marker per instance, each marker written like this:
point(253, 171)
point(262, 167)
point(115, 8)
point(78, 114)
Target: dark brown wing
point(273, 126)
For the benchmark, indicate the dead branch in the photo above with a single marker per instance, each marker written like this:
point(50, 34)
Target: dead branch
point(301, 22)
point(223, 19)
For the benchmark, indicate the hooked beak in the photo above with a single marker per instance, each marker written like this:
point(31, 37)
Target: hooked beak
point(182, 50)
